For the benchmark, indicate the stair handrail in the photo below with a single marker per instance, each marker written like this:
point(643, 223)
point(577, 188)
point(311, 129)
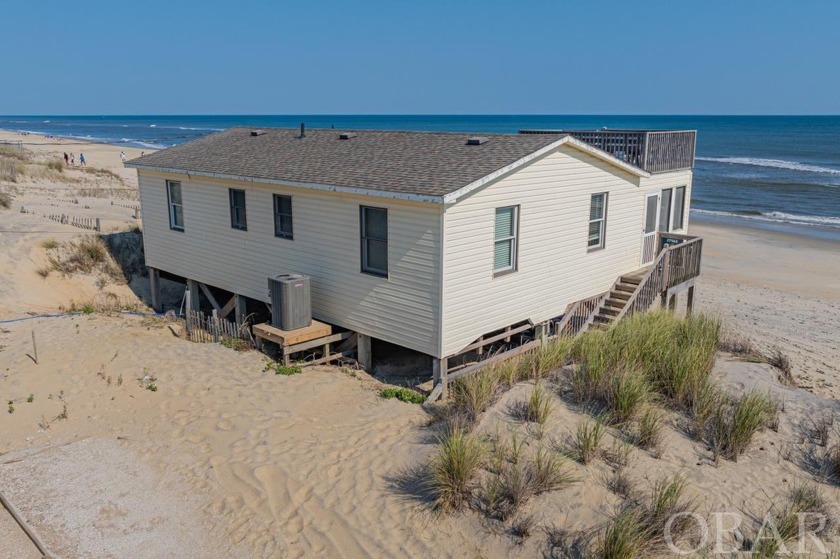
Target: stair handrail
point(643, 284)
point(593, 303)
point(657, 276)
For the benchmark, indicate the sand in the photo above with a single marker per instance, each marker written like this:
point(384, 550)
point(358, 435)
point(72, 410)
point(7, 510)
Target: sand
point(228, 460)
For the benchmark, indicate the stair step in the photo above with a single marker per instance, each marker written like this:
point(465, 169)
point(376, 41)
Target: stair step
point(621, 295)
point(602, 319)
point(631, 280)
point(616, 303)
point(608, 311)
point(624, 287)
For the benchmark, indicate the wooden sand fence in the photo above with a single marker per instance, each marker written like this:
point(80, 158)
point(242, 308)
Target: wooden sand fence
point(91, 223)
point(202, 328)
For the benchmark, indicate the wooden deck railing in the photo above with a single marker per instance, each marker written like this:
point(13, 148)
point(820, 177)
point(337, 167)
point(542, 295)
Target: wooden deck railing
point(655, 151)
point(676, 264)
point(579, 316)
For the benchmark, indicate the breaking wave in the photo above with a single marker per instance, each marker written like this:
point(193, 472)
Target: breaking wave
point(773, 163)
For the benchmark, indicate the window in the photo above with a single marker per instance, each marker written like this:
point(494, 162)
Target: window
point(679, 208)
point(374, 228)
point(283, 216)
point(665, 209)
point(176, 205)
point(238, 219)
point(505, 239)
point(597, 221)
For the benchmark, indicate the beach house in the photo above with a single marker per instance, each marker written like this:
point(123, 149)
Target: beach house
point(438, 242)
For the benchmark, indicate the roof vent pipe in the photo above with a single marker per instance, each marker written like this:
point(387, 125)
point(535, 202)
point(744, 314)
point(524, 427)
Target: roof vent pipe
point(302, 130)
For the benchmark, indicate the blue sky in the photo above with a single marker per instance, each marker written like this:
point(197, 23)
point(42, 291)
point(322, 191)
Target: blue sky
point(426, 57)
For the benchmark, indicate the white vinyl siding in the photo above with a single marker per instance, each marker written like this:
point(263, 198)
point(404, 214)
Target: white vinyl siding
point(238, 217)
point(404, 309)
point(176, 205)
point(374, 237)
point(555, 267)
point(597, 221)
point(505, 241)
point(283, 223)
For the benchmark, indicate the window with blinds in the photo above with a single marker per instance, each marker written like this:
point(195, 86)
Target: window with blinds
point(505, 239)
point(679, 208)
point(176, 205)
point(374, 233)
point(283, 217)
point(597, 221)
point(238, 219)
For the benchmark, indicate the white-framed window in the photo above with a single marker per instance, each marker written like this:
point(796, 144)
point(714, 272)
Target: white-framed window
point(283, 217)
point(597, 221)
point(679, 209)
point(374, 237)
point(506, 240)
point(176, 205)
point(666, 199)
point(238, 218)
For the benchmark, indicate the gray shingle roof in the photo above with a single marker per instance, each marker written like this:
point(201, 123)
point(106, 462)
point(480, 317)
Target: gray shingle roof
point(420, 163)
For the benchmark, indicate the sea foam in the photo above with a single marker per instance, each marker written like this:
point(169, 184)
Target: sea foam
point(774, 163)
point(778, 217)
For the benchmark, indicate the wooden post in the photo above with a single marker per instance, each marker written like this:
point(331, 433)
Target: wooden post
point(154, 287)
point(363, 352)
point(193, 288)
point(480, 350)
point(240, 307)
point(690, 301)
point(34, 348)
point(541, 332)
point(507, 339)
point(98, 225)
point(440, 375)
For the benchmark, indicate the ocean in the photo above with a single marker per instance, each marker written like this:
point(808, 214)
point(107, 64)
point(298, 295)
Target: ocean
point(757, 170)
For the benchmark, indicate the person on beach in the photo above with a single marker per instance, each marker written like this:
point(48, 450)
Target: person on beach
point(82, 160)
point(72, 160)
point(66, 159)
point(122, 156)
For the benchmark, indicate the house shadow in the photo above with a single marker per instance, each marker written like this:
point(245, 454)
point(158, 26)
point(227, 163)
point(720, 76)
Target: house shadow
point(126, 249)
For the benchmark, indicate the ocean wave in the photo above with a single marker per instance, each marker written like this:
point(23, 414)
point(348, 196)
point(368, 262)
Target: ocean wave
point(778, 217)
point(150, 145)
point(773, 163)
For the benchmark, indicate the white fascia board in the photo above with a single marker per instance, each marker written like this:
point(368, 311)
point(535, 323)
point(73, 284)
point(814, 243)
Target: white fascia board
point(309, 185)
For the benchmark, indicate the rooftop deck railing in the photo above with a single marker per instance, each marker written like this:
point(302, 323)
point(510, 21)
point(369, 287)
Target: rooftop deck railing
point(655, 151)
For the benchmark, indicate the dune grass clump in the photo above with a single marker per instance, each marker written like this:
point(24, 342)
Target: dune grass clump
point(781, 362)
point(586, 442)
point(805, 510)
point(458, 458)
point(735, 422)
point(649, 435)
point(515, 480)
point(626, 394)
point(539, 405)
point(638, 528)
point(473, 394)
point(402, 394)
point(13, 164)
point(673, 355)
point(5, 200)
point(86, 255)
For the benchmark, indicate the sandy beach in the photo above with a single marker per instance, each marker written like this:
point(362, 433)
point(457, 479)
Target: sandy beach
point(225, 459)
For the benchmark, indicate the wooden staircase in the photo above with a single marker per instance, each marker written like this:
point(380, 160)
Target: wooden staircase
point(618, 296)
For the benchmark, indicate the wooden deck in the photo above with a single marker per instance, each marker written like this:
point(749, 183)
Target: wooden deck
point(317, 336)
point(655, 151)
point(291, 337)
